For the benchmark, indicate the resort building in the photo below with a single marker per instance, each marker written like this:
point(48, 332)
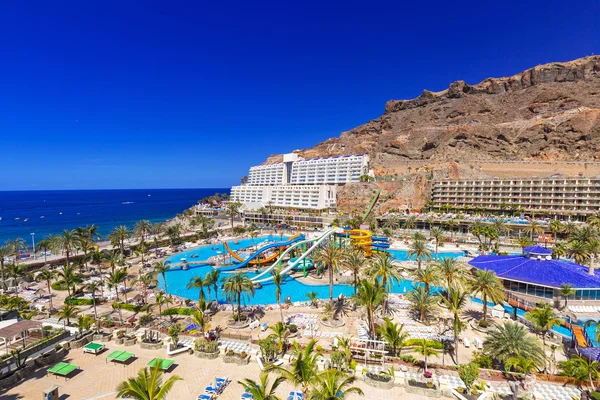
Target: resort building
point(535, 276)
point(300, 183)
point(554, 195)
point(292, 196)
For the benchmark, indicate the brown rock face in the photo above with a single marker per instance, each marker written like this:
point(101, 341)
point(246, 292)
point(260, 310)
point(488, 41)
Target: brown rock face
point(547, 113)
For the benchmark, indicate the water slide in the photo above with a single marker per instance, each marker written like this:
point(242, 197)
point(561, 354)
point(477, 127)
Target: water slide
point(372, 204)
point(380, 242)
point(260, 278)
point(579, 336)
point(251, 259)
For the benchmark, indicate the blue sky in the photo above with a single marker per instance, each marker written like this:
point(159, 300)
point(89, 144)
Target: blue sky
point(190, 93)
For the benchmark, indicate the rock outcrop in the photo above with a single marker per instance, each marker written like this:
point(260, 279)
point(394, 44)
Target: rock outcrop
point(547, 113)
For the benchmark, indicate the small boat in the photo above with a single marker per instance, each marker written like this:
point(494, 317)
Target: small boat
point(26, 219)
point(60, 213)
point(16, 219)
point(149, 195)
point(42, 216)
point(127, 202)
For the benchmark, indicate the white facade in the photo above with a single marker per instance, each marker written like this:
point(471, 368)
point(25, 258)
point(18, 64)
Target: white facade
point(300, 183)
point(270, 174)
point(296, 196)
point(330, 170)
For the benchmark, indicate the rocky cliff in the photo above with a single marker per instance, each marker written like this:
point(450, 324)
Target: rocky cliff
point(548, 113)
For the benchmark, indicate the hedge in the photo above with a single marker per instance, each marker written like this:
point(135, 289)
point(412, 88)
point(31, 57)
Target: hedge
point(80, 301)
point(59, 285)
point(177, 311)
point(432, 343)
point(129, 307)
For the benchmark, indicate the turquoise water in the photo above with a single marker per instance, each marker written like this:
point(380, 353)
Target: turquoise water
point(561, 330)
point(177, 279)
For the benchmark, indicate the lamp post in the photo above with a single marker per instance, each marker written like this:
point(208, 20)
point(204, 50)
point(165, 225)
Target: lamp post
point(33, 243)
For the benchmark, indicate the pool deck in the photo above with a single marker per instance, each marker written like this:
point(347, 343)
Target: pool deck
point(97, 379)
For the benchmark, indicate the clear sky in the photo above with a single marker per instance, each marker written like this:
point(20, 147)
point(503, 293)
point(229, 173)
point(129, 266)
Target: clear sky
point(170, 94)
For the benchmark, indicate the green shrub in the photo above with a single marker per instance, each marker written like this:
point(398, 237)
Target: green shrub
point(211, 347)
point(431, 343)
point(59, 285)
point(177, 311)
point(78, 301)
point(200, 344)
point(129, 307)
point(483, 324)
point(469, 374)
point(481, 360)
point(293, 328)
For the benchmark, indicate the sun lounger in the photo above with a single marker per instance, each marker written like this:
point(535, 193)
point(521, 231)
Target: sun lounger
point(466, 342)
point(119, 356)
point(205, 397)
point(62, 369)
point(263, 327)
point(93, 348)
point(164, 363)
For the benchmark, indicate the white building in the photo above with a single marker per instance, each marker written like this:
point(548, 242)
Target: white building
point(300, 183)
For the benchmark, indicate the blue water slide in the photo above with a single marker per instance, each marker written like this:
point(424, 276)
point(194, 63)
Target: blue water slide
point(261, 250)
point(380, 245)
point(379, 239)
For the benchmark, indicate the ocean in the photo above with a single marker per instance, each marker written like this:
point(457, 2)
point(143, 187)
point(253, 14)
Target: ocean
point(50, 211)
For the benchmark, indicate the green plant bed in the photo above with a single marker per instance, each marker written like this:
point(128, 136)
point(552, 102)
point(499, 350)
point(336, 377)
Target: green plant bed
point(177, 311)
point(80, 301)
point(59, 285)
point(129, 307)
point(431, 343)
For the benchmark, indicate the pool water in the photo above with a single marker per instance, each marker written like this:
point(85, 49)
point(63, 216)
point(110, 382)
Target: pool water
point(178, 279)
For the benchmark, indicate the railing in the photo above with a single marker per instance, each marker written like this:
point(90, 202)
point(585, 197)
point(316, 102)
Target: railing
point(236, 336)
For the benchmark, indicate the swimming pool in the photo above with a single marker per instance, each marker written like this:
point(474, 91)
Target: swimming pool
point(178, 279)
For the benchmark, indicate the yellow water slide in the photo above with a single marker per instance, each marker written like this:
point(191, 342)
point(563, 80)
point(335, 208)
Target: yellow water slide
point(361, 238)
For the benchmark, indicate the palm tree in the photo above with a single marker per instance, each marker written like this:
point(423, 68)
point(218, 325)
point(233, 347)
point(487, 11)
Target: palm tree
point(4, 253)
point(215, 277)
point(455, 303)
point(452, 224)
point(594, 220)
point(233, 210)
point(114, 280)
point(161, 269)
point(66, 242)
point(512, 339)
point(418, 249)
point(439, 237)
point(114, 258)
point(280, 334)
point(428, 276)
point(68, 273)
point(199, 318)
point(304, 369)
point(452, 273)
point(567, 291)
point(383, 269)
point(422, 302)
point(142, 229)
point(371, 296)
point(67, 312)
point(521, 365)
point(312, 296)
point(333, 384)
point(45, 244)
point(161, 300)
point(559, 250)
point(393, 334)
point(329, 256)
point(278, 279)
point(264, 390)
point(15, 246)
point(354, 261)
point(92, 288)
point(196, 282)
point(118, 236)
point(487, 285)
point(556, 227)
point(410, 222)
point(237, 285)
point(423, 347)
point(174, 233)
point(543, 319)
point(534, 228)
point(47, 275)
point(581, 368)
point(148, 385)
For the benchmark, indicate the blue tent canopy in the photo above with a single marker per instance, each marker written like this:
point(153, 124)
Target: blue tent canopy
point(549, 273)
point(592, 353)
point(537, 250)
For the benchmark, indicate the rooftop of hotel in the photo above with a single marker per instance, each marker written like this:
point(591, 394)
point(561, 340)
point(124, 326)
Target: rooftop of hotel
point(538, 268)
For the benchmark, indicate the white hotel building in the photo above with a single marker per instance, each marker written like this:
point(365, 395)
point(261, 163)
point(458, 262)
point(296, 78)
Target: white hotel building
point(300, 183)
